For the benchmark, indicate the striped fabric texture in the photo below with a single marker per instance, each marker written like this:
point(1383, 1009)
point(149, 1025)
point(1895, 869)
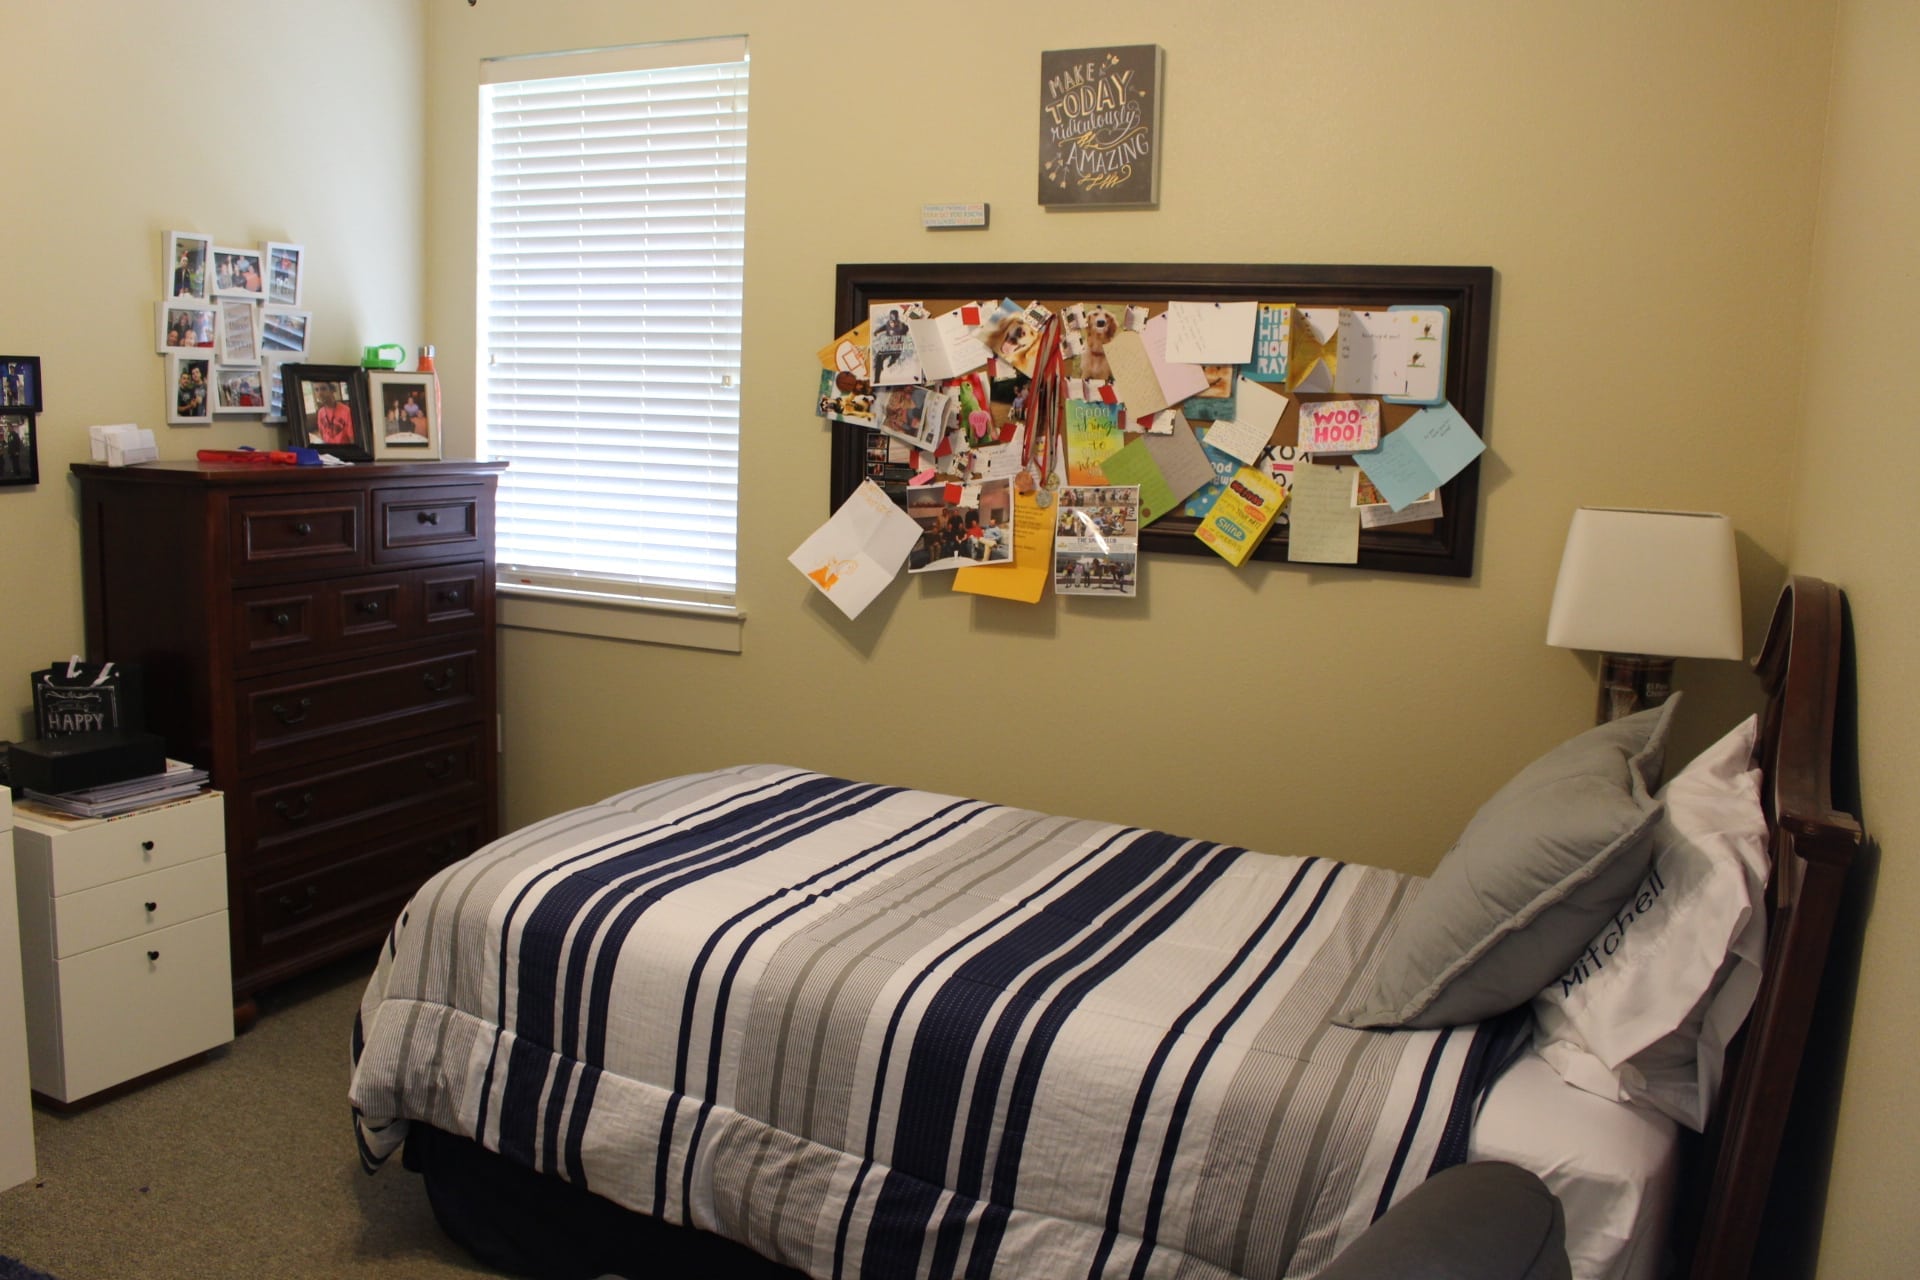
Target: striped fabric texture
point(875, 1032)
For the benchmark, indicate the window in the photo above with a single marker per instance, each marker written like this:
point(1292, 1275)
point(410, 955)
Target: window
point(612, 236)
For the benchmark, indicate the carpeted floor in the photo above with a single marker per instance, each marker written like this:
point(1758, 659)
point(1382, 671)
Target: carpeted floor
point(240, 1166)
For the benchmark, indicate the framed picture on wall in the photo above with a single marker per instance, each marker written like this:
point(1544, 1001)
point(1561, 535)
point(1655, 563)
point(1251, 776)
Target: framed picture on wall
point(239, 273)
point(283, 330)
point(184, 324)
point(326, 406)
point(286, 272)
point(190, 389)
point(404, 422)
point(239, 332)
point(19, 451)
point(184, 264)
point(275, 382)
point(238, 389)
point(20, 384)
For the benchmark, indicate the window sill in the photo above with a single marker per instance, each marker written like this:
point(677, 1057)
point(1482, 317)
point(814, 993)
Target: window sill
point(634, 621)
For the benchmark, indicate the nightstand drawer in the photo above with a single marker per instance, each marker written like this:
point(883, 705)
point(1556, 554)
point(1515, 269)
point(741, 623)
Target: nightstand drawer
point(135, 1006)
point(440, 523)
point(96, 852)
point(284, 535)
point(139, 906)
point(302, 716)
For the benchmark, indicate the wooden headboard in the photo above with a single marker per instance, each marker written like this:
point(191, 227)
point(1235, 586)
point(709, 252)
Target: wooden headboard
point(1813, 845)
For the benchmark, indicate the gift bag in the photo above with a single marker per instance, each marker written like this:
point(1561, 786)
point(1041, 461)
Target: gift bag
point(86, 697)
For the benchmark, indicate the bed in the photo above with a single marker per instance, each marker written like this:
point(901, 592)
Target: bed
point(864, 1030)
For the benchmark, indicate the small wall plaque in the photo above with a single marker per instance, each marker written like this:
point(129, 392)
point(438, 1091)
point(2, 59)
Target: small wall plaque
point(953, 217)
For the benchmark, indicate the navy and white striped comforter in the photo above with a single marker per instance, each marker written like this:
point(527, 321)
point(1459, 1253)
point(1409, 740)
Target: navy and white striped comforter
point(878, 1032)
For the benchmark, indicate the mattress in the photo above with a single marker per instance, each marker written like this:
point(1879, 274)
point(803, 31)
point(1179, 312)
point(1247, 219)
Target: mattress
point(873, 1031)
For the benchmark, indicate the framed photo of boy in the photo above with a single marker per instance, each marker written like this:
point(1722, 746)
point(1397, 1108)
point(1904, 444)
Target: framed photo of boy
point(326, 405)
point(20, 384)
point(184, 264)
point(239, 273)
point(19, 452)
point(286, 270)
point(184, 324)
point(405, 425)
point(190, 389)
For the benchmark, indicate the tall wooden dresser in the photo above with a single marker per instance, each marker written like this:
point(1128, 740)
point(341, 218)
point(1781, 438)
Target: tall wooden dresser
point(322, 640)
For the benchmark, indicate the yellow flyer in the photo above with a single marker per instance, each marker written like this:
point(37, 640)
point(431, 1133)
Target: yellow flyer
point(1026, 578)
point(1241, 515)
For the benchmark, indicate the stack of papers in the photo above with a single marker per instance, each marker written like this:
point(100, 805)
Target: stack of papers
point(177, 782)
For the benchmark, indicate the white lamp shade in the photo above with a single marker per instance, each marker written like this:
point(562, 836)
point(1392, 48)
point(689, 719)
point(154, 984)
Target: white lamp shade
point(1663, 583)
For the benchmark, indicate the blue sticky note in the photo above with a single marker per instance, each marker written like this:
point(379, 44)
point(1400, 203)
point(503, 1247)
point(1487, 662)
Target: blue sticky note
point(1426, 451)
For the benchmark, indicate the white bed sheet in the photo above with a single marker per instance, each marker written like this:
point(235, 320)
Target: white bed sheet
point(1613, 1165)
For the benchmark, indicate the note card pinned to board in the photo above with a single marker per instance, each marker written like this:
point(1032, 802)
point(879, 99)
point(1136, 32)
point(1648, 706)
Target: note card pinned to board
point(1428, 449)
point(1322, 525)
point(1210, 332)
point(854, 555)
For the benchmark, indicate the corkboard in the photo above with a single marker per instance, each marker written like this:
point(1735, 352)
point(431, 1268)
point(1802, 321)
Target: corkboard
point(1442, 547)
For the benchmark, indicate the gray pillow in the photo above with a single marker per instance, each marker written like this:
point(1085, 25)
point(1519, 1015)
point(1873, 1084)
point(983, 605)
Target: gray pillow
point(1527, 885)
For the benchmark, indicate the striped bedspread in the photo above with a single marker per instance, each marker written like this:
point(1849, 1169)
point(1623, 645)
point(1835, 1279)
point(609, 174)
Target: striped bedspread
point(879, 1032)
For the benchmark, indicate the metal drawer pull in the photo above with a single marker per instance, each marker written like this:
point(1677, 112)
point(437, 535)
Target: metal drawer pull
point(296, 907)
point(443, 685)
point(282, 619)
point(302, 528)
point(285, 716)
point(441, 769)
point(370, 605)
point(153, 955)
point(152, 907)
point(429, 517)
point(286, 812)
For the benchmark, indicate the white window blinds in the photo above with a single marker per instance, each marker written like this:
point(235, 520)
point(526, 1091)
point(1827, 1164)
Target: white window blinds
point(612, 235)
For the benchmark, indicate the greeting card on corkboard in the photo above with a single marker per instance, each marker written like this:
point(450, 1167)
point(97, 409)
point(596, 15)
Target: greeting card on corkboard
point(1100, 127)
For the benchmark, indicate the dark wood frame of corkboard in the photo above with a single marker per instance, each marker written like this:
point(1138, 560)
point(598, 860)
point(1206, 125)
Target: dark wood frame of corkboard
point(1442, 547)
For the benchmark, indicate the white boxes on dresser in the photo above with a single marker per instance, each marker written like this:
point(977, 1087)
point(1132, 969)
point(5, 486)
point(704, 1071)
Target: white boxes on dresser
point(124, 942)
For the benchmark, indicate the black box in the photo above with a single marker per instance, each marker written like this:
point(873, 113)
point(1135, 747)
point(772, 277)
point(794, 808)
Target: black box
point(83, 760)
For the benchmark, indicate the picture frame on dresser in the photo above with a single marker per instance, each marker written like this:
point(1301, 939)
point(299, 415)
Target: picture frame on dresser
point(405, 424)
point(326, 408)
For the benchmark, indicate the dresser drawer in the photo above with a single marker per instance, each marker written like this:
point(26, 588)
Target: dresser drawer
point(276, 623)
point(449, 598)
point(138, 906)
point(290, 816)
point(358, 895)
point(302, 716)
point(97, 852)
point(444, 522)
point(280, 536)
point(136, 1006)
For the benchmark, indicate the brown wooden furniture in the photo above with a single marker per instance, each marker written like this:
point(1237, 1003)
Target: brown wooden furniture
point(322, 640)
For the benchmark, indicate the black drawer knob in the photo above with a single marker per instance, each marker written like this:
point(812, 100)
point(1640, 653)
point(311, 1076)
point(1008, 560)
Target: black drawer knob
point(153, 955)
point(441, 767)
point(429, 517)
point(146, 846)
point(289, 814)
point(301, 528)
point(370, 605)
point(283, 619)
point(152, 907)
point(297, 905)
point(293, 715)
point(441, 684)
point(450, 597)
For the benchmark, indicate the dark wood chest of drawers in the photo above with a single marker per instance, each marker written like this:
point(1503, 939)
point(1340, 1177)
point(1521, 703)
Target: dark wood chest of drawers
point(323, 641)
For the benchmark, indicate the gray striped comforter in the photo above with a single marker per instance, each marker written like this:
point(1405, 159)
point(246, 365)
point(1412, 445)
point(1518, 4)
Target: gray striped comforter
point(879, 1032)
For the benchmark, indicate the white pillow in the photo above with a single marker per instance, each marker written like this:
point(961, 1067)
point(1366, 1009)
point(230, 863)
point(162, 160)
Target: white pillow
point(1645, 1013)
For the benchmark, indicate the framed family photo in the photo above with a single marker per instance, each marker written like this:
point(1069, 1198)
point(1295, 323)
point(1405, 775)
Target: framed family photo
point(404, 422)
point(185, 264)
point(286, 270)
point(19, 451)
point(184, 324)
point(238, 389)
point(190, 389)
point(239, 273)
point(20, 384)
point(326, 405)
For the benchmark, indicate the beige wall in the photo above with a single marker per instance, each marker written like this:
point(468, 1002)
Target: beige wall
point(275, 120)
point(1866, 268)
point(1626, 168)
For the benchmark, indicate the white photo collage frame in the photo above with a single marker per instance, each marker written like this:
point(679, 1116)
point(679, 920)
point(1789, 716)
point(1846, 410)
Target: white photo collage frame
point(229, 317)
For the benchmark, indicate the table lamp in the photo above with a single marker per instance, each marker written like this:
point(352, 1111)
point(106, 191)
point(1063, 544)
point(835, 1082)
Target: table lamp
point(1644, 588)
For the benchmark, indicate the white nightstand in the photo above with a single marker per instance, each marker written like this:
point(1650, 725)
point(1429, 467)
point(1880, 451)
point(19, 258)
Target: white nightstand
point(123, 942)
point(16, 1113)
